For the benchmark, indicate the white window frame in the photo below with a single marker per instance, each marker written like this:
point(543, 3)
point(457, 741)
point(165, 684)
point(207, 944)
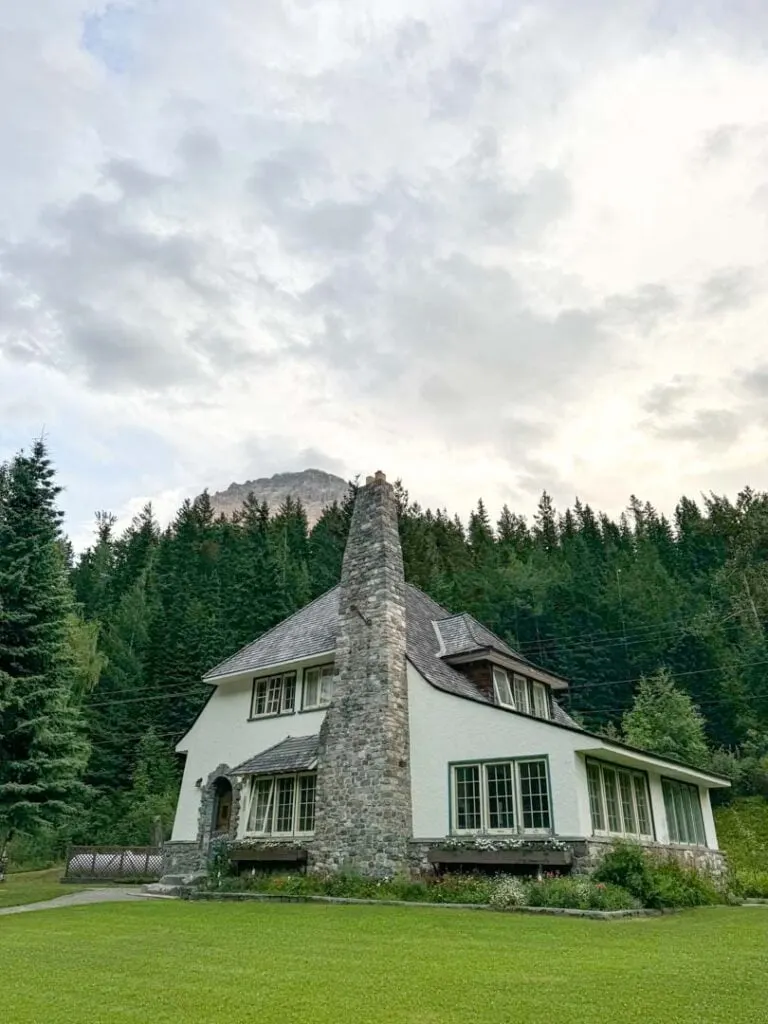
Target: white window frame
point(694, 796)
point(279, 692)
point(520, 693)
point(502, 688)
point(273, 781)
point(324, 686)
point(539, 690)
point(633, 774)
point(517, 795)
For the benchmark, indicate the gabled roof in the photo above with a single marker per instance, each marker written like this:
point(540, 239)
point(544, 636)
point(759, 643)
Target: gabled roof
point(293, 754)
point(312, 631)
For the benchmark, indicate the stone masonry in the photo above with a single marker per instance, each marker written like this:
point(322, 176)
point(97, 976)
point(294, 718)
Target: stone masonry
point(363, 809)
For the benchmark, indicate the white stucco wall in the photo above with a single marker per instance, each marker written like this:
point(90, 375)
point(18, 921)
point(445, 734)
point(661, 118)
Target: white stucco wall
point(223, 735)
point(444, 728)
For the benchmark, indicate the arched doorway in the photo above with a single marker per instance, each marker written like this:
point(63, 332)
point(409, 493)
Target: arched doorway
point(222, 805)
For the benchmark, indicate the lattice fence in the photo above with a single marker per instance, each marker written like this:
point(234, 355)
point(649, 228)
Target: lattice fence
point(114, 863)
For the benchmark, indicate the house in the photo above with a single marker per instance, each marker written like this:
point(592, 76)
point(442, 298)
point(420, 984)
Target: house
point(375, 732)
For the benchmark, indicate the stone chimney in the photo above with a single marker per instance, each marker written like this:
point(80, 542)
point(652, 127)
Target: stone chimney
point(363, 808)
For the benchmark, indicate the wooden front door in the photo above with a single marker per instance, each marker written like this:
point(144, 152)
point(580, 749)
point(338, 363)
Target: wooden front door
point(223, 809)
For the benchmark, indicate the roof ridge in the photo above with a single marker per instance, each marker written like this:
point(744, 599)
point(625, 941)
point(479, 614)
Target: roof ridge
point(271, 629)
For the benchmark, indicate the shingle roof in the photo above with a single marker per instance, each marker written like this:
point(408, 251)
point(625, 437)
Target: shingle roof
point(293, 754)
point(312, 631)
point(462, 634)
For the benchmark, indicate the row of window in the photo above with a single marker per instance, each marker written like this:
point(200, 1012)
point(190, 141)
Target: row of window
point(278, 694)
point(520, 693)
point(283, 806)
point(503, 796)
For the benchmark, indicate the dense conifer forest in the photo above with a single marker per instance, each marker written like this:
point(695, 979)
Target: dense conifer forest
point(658, 621)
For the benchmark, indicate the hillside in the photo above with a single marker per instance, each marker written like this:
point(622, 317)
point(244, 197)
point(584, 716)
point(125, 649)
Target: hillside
point(313, 487)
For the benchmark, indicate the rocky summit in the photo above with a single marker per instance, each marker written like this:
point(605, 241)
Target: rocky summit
point(313, 487)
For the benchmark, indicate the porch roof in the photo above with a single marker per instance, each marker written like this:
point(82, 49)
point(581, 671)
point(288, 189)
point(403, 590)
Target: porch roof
point(293, 754)
point(653, 762)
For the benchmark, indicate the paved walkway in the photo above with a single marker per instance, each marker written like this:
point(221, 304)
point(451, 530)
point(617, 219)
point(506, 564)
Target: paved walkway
point(115, 894)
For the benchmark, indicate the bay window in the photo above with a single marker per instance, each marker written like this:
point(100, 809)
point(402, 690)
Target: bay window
point(501, 796)
point(682, 803)
point(282, 805)
point(618, 801)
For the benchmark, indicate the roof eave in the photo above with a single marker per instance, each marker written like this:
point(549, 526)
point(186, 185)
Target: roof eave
point(505, 661)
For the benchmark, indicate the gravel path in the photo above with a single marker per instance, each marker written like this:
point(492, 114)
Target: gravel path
point(87, 896)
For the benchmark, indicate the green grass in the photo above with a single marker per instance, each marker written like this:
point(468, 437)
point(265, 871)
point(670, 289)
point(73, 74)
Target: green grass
point(33, 886)
point(230, 963)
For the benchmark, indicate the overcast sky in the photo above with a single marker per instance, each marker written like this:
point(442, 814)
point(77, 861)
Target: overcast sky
point(489, 247)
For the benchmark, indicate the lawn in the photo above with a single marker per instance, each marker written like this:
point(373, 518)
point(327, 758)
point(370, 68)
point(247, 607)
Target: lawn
point(33, 886)
point(207, 963)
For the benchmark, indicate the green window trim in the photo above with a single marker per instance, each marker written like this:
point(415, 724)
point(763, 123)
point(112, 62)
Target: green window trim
point(501, 795)
point(619, 800)
point(685, 819)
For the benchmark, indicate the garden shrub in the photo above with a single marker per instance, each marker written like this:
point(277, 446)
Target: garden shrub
point(580, 893)
point(659, 884)
point(750, 884)
point(628, 866)
point(509, 892)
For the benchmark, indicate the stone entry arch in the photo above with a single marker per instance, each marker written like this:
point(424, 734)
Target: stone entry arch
point(219, 807)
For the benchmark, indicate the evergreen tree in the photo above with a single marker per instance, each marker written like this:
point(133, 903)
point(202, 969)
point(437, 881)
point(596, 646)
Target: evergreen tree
point(42, 746)
point(664, 720)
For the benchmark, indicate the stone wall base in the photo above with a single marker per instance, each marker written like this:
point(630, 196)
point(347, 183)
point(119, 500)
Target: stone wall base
point(588, 853)
point(182, 858)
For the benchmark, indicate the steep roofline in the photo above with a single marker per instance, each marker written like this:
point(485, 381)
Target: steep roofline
point(211, 673)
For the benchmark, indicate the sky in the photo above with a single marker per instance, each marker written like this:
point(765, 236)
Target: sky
point(486, 246)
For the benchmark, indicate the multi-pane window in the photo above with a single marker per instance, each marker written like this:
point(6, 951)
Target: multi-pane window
point(510, 796)
point(618, 801)
point(274, 695)
point(318, 687)
point(540, 700)
point(534, 795)
point(468, 798)
point(501, 796)
point(282, 806)
point(502, 688)
point(520, 693)
point(682, 803)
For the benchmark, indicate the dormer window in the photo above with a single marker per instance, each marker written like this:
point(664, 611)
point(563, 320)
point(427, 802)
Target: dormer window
point(520, 693)
point(502, 688)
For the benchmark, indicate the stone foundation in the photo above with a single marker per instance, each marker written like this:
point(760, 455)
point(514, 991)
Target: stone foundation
point(588, 853)
point(182, 858)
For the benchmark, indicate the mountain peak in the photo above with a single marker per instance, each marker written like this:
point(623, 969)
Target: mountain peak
point(313, 487)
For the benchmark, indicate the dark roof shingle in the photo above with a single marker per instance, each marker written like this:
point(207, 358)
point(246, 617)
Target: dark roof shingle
point(293, 754)
point(312, 631)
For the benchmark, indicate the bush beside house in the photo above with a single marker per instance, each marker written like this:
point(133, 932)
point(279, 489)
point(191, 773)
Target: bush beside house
point(627, 879)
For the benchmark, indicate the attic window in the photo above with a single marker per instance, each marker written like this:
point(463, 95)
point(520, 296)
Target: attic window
point(502, 688)
point(520, 694)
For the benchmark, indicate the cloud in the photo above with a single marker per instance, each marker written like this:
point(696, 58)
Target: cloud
point(419, 236)
point(711, 427)
point(729, 289)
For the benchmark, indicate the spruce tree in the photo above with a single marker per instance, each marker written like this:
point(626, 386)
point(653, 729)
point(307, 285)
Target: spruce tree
point(665, 721)
point(42, 746)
